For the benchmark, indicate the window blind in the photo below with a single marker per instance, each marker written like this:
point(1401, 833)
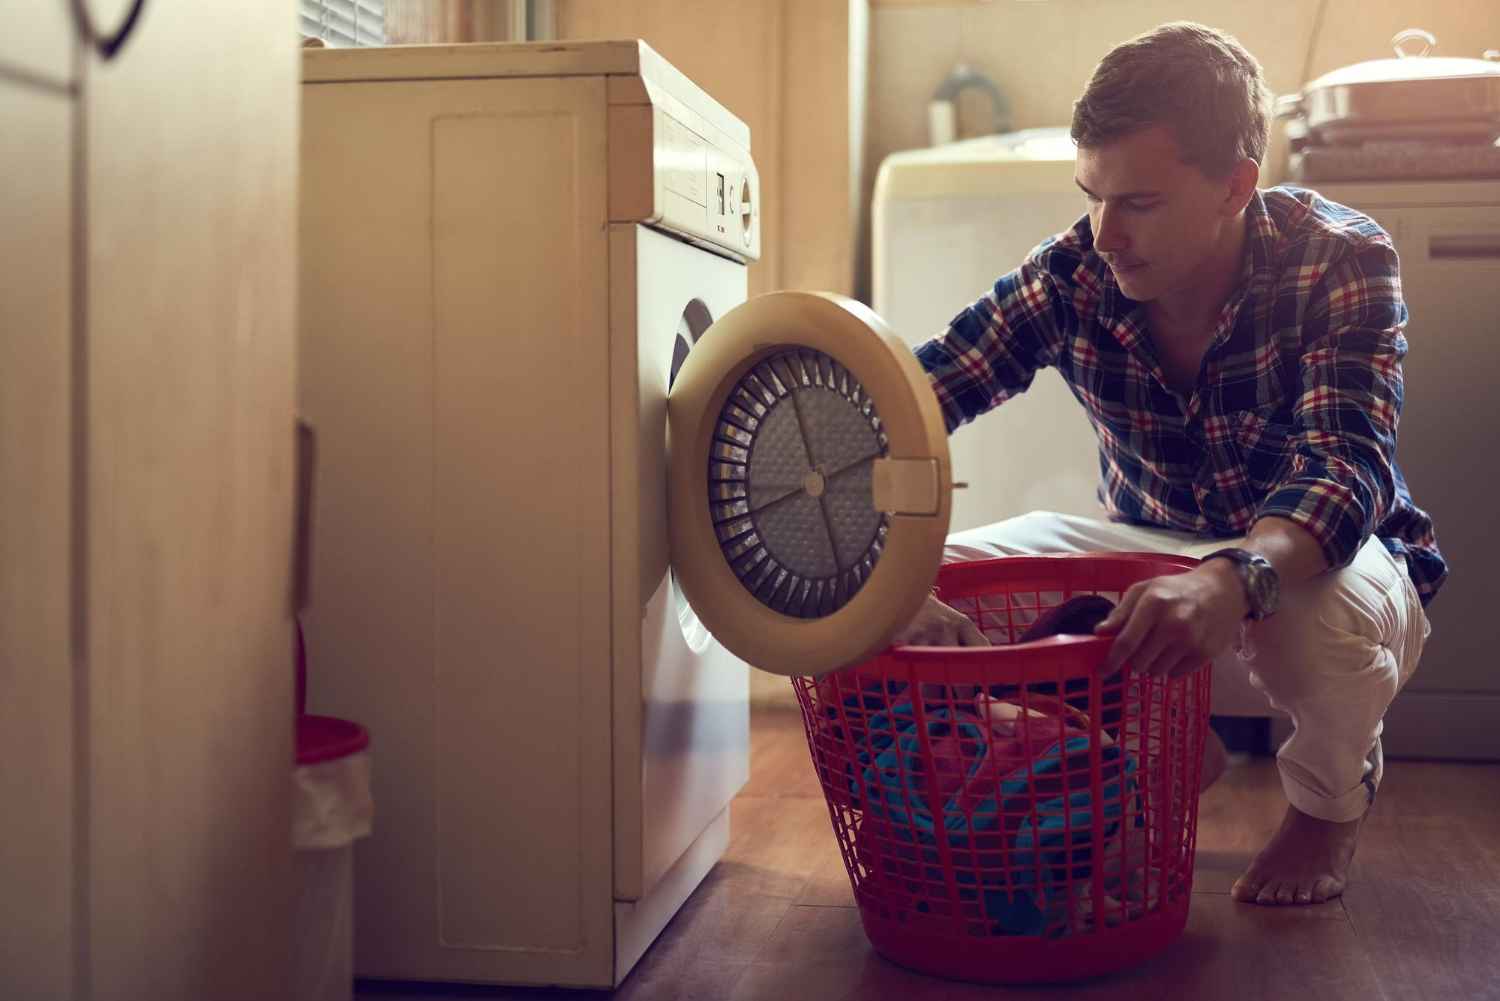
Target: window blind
point(344, 23)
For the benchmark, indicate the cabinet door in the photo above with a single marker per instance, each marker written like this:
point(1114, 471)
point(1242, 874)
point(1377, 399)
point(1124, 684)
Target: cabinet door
point(36, 690)
point(191, 261)
point(1450, 275)
point(36, 43)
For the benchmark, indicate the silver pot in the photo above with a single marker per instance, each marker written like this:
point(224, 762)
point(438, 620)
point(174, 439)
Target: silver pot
point(1413, 96)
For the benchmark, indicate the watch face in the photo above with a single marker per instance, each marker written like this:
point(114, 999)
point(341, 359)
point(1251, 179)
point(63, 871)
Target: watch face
point(1263, 585)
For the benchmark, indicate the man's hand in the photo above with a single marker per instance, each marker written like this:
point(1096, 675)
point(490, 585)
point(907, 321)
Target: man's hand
point(1170, 625)
point(935, 624)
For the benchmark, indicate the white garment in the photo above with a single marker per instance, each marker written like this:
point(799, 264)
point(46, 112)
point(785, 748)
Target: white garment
point(1332, 658)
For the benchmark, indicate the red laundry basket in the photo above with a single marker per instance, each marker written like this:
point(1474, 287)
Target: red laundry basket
point(1013, 814)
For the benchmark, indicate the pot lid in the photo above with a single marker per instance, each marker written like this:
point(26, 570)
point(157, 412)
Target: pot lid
point(809, 484)
point(1412, 62)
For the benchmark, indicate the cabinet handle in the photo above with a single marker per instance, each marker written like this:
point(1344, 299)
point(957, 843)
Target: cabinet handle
point(306, 454)
point(108, 45)
point(1464, 246)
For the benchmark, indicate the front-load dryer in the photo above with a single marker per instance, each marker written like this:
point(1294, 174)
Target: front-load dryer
point(535, 580)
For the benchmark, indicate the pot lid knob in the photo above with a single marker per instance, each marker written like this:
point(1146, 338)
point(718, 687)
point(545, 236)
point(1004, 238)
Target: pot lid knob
point(1401, 39)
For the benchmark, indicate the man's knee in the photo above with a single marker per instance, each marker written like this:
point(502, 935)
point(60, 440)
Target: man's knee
point(1352, 623)
point(1023, 535)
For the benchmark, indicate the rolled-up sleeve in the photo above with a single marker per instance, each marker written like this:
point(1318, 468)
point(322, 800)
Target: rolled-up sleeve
point(1341, 480)
point(993, 349)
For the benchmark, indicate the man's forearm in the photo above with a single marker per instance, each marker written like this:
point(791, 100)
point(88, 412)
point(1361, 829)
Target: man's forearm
point(1292, 549)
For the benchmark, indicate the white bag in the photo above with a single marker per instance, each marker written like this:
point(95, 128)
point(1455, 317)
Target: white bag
point(331, 808)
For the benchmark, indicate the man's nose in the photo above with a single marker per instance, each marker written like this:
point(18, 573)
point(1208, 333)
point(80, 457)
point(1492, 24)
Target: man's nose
point(1109, 235)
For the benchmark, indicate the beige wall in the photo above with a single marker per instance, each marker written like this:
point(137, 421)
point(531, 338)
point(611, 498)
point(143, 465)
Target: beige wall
point(1041, 54)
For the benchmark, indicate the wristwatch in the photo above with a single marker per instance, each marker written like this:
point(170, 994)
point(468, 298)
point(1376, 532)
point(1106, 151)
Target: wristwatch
point(1262, 585)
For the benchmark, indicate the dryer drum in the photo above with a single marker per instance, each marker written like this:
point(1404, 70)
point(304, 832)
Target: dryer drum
point(789, 481)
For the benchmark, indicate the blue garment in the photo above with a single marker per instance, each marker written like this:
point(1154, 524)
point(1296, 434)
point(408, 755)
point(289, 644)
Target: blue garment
point(1052, 843)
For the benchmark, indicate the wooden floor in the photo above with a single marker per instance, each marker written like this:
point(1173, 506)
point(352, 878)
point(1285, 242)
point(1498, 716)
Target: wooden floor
point(775, 920)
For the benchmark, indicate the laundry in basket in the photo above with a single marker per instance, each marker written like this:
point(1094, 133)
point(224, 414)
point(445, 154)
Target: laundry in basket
point(1001, 800)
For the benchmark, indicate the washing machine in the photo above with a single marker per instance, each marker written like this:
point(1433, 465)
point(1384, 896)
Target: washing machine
point(945, 223)
point(536, 583)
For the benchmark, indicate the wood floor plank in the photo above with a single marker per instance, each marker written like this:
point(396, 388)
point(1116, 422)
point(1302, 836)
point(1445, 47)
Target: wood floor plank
point(781, 765)
point(1227, 951)
point(1240, 951)
point(1425, 896)
point(681, 976)
point(867, 979)
point(828, 885)
point(774, 921)
point(1236, 817)
point(394, 990)
point(812, 935)
point(822, 953)
point(775, 845)
point(722, 921)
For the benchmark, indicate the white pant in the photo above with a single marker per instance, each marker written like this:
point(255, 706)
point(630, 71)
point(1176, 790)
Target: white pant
point(1332, 658)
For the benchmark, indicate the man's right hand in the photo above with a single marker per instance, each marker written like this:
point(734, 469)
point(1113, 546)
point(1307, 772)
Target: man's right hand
point(935, 624)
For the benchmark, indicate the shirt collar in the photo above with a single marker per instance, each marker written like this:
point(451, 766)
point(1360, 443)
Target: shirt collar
point(1261, 237)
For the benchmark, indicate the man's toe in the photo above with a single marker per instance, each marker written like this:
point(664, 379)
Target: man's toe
point(1245, 889)
point(1325, 889)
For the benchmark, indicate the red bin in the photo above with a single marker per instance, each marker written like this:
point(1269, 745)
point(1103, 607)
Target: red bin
point(1015, 813)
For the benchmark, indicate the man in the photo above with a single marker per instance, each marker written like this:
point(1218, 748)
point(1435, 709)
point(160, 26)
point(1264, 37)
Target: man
point(1238, 352)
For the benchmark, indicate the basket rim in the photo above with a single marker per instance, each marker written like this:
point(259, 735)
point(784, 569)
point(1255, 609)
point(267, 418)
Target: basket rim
point(1069, 656)
point(955, 573)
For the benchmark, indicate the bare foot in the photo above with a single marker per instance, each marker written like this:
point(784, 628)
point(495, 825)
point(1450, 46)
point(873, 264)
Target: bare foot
point(1306, 862)
point(1215, 760)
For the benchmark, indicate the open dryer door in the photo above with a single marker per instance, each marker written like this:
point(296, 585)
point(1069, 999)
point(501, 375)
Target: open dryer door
point(809, 485)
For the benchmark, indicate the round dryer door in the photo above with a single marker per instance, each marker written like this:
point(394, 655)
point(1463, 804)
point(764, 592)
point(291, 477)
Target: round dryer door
point(809, 482)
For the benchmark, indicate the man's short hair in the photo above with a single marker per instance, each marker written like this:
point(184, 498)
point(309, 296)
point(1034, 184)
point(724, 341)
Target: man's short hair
point(1197, 80)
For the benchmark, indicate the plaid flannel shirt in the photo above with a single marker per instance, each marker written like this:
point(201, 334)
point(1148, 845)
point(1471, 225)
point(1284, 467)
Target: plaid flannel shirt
point(1295, 410)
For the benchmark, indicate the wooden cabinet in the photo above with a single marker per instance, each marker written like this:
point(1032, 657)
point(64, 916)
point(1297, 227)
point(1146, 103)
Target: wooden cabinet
point(36, 682)
point(190, 254)
point(147, 285)
point(36, 46)
point(1447, 235)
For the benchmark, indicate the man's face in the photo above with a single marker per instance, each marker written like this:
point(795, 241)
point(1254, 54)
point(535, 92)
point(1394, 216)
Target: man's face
point(1157, 221)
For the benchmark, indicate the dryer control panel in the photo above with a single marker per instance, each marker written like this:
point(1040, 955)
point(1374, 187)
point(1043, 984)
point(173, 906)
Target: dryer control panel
point(680, 162)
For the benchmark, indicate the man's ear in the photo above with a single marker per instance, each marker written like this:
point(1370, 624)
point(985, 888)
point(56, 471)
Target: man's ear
point(1242, 182)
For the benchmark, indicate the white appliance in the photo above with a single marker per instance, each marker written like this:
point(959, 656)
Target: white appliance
point(508, 252)
point(946, 222)
point(503, 246)
point(1447, 235)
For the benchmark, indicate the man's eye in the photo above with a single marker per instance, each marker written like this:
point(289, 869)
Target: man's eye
point(1141, 206)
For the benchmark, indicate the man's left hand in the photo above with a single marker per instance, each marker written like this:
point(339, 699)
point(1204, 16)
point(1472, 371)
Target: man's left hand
point(1170, 625)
